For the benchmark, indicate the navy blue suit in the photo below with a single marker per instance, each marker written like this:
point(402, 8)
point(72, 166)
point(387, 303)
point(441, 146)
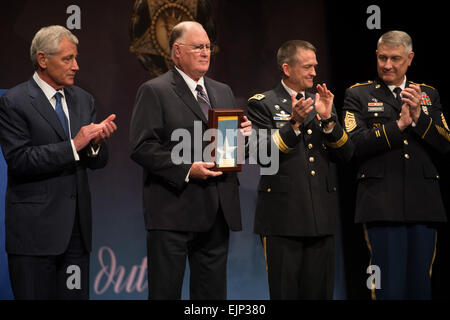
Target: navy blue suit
point(46, 188)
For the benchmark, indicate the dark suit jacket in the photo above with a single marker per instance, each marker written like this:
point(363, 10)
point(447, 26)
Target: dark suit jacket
point(45, 183)
point(397, 177)
point(163, 105)
point(301, 198)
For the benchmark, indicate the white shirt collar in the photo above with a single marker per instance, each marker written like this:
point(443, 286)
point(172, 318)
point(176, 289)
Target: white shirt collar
point(290, 91)
point(191, 82)
point(48, 90)
point(402, 86)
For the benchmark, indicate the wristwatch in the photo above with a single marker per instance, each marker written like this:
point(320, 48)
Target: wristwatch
point(330, 119)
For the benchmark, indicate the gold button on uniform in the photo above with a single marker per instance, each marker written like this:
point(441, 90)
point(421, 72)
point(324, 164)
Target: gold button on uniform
point(313, 173)
point(310, 146)
point(309, 131)
point(405, 142)
point(311, 159)
point(363, 175)
point(269, 190)
point(406, 156)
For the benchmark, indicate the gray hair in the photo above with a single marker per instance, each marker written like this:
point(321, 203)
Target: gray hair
point(396, 38)
point(178, 31)
point(287, 53)
point(47, 40)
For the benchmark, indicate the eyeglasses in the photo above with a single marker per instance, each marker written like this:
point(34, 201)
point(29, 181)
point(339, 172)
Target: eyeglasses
point(197, 48)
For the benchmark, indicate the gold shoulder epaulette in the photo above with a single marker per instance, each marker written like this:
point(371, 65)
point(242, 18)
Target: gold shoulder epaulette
point(258, 97)
point(423, 85)
point(361, 84)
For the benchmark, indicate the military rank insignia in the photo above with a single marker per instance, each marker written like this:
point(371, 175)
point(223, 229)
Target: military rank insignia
point(257, 97)
point(350, 122)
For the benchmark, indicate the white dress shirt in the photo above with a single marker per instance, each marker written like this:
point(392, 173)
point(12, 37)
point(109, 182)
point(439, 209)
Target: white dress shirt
point(402, 86)
point(290, 91)
point(50, 92)
point(192, 84)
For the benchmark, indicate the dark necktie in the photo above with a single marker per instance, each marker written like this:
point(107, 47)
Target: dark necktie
point(203, 100)
point(398, 97)
point(298, 97)
point(60, 113)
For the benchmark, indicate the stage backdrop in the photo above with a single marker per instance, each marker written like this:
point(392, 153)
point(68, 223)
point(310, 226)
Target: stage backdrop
point(5, 287)
point(248, 34)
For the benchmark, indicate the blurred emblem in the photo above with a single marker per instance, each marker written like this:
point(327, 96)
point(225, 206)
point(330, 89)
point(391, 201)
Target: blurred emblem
point(151, 24)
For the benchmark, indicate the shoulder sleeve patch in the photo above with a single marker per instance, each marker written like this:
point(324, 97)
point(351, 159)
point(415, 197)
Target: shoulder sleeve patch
point(361, 84)
point(258, 97)
point(350, 121)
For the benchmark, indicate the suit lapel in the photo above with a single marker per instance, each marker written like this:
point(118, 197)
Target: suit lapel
point(382, 93)
point(408, 83)
point(40, 102)
point(182, 90)
point(74, 112)
point(284, 99)
point(212, 94)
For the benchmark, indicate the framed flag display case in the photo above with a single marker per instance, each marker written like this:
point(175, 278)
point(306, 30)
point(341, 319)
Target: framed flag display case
point(227, 151)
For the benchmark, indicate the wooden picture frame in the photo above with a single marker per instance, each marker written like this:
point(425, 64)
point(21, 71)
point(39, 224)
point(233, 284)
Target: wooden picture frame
point(227, 155)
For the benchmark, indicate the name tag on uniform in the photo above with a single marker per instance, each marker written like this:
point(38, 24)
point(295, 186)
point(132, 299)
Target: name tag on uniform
point(375, 106)
point(282, 118)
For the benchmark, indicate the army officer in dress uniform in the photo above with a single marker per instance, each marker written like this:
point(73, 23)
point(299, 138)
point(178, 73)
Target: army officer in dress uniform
point(297, 207)
point(397, 126)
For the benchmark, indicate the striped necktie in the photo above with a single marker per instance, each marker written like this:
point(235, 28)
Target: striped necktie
point(203, 100)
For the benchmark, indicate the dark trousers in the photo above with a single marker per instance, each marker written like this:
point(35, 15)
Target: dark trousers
point(52, 277)
point(404, 253)
point(300, 267)
point(207, 253)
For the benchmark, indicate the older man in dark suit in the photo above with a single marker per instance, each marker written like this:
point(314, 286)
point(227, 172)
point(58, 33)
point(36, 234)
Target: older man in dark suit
point(49, 139)
point(189, 208)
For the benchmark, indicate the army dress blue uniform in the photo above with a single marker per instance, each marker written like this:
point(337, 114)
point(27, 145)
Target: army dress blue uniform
point(298, 206)
point(398, 197)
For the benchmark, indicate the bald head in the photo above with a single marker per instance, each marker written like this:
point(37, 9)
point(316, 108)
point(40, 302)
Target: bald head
point(190, 48)
point(180, 30)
